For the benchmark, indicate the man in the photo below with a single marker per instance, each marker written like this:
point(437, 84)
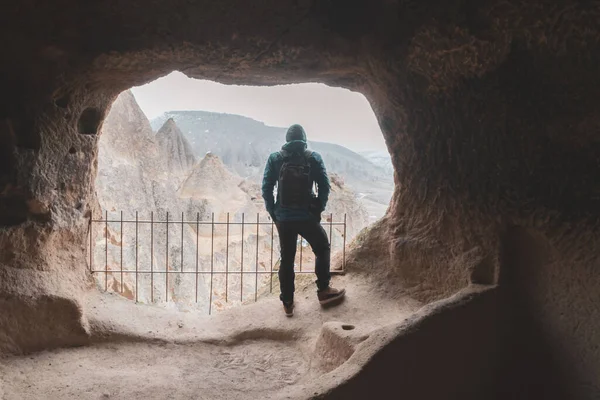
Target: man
point(297, 211)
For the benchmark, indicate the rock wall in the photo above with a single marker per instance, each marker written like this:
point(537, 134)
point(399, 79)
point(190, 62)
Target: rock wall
point(456, 348)
point(488, 109)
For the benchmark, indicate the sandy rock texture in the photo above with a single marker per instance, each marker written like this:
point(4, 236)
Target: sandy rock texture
point(488, 109)
point(247, 352)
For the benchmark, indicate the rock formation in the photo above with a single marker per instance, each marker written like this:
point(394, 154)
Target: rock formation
point(129, 188)
point(176, 150)
point(343, 201)
point(212, 183)
point(488, 110)
point(131, 161)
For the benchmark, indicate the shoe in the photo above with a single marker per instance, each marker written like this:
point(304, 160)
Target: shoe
point(289, 309)
point(330, 295)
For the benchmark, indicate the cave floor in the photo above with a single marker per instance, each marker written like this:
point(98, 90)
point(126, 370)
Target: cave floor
point(145, 352)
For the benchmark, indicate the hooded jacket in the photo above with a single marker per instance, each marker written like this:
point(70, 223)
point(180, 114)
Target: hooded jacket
point(318, 175)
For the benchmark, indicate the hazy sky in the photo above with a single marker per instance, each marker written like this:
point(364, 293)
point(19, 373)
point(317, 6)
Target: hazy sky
point(327, 114)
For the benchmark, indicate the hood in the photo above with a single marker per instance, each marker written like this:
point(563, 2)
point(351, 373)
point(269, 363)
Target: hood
point(295, 146)
point(295, 132)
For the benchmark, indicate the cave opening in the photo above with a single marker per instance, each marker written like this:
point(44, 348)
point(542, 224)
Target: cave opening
point(182, 221)
point(489, 112)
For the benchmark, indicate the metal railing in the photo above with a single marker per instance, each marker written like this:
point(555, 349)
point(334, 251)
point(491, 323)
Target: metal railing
point(167, 229)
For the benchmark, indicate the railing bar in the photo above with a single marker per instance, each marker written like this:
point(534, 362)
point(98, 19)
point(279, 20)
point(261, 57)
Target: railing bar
point(301, 239)
point(242, 263)
point(256, 275)
point(122, 271)
point(344, 248)
point(136, 257)
point(167, 262)
point(334, 272)
point(91, 245)
point(271, 272)
point(193, 222)
point(152, 257)
point(197, 245)
point(330, 230)
point(212, 247)
point(182, 240)
point(106, 251)
point(121, 251)
point(227, 259)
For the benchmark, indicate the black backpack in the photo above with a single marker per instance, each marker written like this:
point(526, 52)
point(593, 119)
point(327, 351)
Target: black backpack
point(294, 187)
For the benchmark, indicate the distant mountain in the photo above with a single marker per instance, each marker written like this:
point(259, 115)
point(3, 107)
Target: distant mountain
point(380, 158)
point(244, 144)
point(241, 143)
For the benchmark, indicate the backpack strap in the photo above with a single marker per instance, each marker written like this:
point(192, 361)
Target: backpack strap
point(286, 155)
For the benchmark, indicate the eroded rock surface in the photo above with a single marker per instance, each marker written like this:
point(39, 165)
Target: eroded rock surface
point(176, 150)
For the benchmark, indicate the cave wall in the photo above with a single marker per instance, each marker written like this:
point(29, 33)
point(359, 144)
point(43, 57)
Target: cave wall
point(554, 294)
point(456, 348)
point(489, 110)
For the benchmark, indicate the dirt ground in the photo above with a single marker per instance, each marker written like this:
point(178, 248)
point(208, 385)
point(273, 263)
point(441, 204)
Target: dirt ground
point(248, 352)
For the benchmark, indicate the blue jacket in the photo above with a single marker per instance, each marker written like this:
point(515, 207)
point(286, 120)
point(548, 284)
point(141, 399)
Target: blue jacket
point(271, 175)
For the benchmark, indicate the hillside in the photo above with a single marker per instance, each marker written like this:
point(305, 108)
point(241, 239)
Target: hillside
point(380, 158)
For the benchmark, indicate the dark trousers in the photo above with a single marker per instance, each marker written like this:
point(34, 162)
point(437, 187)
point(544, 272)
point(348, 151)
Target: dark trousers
point(315, 235)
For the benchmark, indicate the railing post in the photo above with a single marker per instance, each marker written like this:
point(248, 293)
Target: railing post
point(136, 257)
point(106, 250)
point(197, 245)
point(330, 231)
point(344, 248)
point(91, 245)
point(167, 263)
point(242, 264)
point(256, 271)
point(271, 274)
point(182, 241)
point(152, 256)
point(121, 251)
point(212, 248)
point(301, 239)
point(227, 260)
